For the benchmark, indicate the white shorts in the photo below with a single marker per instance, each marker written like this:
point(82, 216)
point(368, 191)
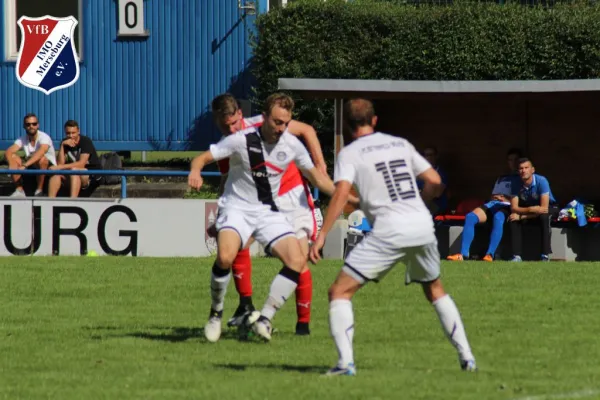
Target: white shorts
point(266, 226)
point(295, 205)
point(373, 258)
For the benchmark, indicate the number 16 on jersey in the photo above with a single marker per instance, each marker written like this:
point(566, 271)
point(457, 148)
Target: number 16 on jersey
point(398, 180)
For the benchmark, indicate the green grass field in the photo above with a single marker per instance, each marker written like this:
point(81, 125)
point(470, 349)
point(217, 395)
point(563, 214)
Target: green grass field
point(131, 328)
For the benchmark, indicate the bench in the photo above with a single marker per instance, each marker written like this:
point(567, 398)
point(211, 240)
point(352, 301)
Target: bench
point(570, 242)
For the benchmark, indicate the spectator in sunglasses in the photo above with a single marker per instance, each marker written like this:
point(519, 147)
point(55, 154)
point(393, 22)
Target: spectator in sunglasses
point(39, 154)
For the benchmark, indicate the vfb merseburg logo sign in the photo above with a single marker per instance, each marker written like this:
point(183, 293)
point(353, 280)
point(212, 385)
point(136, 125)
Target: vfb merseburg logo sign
point(47, 59)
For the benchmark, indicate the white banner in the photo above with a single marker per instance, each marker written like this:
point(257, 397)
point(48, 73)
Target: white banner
point(132, 227)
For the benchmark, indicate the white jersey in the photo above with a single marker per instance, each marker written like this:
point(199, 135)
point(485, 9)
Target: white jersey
point(256, 167)
point(30, 148)
point(384, 169)
point(503, 185)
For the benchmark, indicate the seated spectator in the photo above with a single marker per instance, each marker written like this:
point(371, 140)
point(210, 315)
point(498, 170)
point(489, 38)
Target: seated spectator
point(439, 204)
point(495, 210)
point(532, 202)
point(39, 154)
point(76, 152)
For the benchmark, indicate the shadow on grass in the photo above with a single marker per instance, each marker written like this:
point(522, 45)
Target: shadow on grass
point(306, 369)
point(161, 334)
point(173, 335)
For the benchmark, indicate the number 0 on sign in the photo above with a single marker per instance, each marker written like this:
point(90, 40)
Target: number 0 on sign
point(131, 18)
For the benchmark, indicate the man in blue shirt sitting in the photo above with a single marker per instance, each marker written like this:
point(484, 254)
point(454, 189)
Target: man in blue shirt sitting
point(532, 201)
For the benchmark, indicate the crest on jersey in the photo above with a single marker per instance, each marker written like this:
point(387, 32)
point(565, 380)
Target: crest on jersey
point(47, 60)
point(281, 156)
point(210, 218)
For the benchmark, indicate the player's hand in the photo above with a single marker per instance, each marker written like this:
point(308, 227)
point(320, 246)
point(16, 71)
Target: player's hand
point(354, 201)
point(211, 231)
point(314, 253)
point(195, 180)
point(54, 168)
point(538, 210)
point(69, 142)
point(514, 217)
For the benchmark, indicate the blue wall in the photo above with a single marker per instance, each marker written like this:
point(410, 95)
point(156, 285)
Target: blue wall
point(142, 94)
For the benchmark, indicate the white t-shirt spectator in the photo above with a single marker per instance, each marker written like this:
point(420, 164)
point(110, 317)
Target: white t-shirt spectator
point(30, 148)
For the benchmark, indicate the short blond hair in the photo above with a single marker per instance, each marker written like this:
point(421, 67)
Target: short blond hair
point(278, 99)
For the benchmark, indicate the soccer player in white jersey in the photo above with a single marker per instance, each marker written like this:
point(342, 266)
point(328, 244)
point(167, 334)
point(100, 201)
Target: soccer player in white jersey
point(384, 169)
point(258, 157)
point(294, 199)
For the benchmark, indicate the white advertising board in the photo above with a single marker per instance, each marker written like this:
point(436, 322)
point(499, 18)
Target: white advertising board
point(130, 227)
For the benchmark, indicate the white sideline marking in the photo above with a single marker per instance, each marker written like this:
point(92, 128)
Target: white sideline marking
point(572, 395)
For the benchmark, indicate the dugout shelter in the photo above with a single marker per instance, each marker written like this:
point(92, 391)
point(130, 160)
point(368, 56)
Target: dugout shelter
point(474, 123)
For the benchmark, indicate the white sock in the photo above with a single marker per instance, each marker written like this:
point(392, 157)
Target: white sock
point(453, 326)
point(281, 289)
point(341, 325)
point(218, 288)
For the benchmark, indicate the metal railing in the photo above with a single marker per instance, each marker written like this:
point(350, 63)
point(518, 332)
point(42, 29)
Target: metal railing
point(104, 172)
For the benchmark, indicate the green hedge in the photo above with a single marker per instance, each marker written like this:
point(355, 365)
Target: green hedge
point(372, 39)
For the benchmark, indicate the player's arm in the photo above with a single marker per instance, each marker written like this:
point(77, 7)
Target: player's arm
point(318, 179)
point(544, 197)
point(442, 184)
point(336, 205)
point(544, 203)
point(325, 184)
point(37, 156)
point(334, 210)
point(308, 133)
point(224, 149)
point(521, 212)
point(198, 163)
point(514, 206)
point(61, 159)
point(12, 150)
point(81, 163)
point(345, 175)
point(432, 184)
point(432, 181)
point(534, 211)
